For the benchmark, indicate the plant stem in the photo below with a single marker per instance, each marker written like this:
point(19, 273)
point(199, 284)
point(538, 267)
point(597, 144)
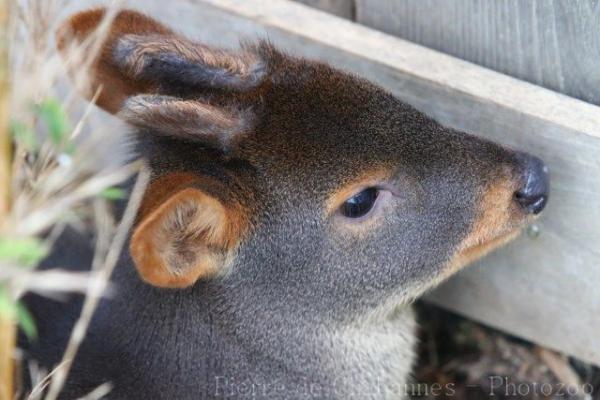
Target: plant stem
point(7, 346)
point(7, 325)
point(5, 139)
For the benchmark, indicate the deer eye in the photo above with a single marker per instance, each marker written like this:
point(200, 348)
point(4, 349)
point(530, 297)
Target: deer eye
point(360, 204)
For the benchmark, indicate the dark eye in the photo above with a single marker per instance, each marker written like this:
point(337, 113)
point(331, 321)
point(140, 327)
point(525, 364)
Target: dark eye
point(360, 204)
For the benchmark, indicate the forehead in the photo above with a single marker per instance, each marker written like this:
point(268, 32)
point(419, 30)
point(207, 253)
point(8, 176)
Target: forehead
point(317, 122)
point(315, 129)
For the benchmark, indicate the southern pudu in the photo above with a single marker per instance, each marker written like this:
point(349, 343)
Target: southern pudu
point(294, 213)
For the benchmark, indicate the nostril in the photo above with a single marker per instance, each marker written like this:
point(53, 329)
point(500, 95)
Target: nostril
point(533, 204)
point(533, 195)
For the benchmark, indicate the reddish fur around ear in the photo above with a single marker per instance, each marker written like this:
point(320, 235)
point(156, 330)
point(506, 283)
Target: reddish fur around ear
point(186, 236)
point(115, 87)
point(138, 56)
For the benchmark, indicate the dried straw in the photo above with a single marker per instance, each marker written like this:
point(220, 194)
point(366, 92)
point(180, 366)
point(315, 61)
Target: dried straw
point(46, 188)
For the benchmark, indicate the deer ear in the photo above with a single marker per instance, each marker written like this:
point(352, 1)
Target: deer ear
point(104, 74)
point(139, 55)
point(188, 237)
point(218, 127)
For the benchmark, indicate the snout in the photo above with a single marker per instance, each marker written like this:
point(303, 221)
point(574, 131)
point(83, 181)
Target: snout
point(532, 195)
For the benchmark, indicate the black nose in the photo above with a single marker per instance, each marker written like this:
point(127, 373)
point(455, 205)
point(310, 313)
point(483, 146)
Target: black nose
point(533, 194)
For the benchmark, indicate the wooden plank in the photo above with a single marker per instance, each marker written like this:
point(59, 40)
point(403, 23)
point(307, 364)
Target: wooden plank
point(341, 8)
point(542, 288)
point(551, 43)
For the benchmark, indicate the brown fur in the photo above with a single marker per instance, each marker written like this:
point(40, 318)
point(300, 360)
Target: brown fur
point(219, 125)
point(145, 47)
point(162, 188)
point(497, 222)
point(184, 234)
point(117, 82)
point(185, 118)
point(252, 155)
point(104, 74)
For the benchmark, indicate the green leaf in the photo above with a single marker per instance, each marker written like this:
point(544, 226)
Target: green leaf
point(17, 312)
point(27, 252)
point(7, 307)
point(23, 134)
point(69, 148)
point(113, 193)
point(55, 117)
point(26, 321)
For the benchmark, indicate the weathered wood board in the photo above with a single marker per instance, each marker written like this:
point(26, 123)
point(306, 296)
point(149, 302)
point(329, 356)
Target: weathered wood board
point(552, 43)
point(341, 8)
point(544, 289)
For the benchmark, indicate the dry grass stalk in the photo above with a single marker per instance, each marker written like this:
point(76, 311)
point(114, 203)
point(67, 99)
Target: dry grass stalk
point(56, 181)
point(7, 325)
point(96, 291)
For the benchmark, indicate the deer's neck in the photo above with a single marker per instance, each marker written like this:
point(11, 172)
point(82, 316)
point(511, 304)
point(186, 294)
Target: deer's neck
point(184, 344)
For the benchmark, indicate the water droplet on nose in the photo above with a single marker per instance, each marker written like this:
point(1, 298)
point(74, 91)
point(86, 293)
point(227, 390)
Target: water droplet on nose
point(533, 231)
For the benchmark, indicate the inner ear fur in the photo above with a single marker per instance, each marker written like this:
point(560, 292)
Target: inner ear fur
point(141, 56)
point(188, 237)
